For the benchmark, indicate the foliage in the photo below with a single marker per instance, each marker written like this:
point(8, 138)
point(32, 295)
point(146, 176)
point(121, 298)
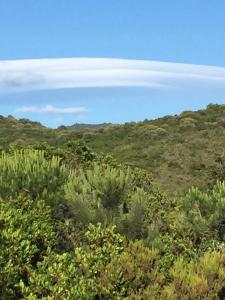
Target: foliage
point(97, 192)
point(179, 150)
point(28, 172)
point(203, 279)
point(76, 275)
point(26, 235)
point(205, 212)
point(75, 224)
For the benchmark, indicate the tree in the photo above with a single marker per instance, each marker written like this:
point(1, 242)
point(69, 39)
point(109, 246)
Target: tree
point(29, 172)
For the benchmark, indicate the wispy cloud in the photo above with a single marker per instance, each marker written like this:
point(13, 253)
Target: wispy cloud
point(49, 109)
point(39, 74)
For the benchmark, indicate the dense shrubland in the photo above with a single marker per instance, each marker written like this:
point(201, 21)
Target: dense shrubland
point(180, 151)
point(78, 225)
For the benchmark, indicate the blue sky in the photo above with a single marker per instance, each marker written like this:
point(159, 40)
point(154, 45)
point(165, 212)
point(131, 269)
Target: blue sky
point(187, 31)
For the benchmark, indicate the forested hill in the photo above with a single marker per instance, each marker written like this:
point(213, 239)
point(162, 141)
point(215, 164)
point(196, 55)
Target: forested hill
point(181, 150)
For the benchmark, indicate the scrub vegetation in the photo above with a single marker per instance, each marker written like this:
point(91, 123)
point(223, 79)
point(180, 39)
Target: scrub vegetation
point(133, 211)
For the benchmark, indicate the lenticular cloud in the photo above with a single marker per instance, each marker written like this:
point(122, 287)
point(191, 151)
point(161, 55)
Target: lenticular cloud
point(40, 74)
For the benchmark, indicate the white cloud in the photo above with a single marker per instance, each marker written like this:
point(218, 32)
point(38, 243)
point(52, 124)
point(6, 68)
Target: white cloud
point(39, 74)
point(52, 110)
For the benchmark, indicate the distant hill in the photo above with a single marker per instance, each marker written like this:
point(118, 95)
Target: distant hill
point(179, 150)
point(83, 127)
point(21, 131)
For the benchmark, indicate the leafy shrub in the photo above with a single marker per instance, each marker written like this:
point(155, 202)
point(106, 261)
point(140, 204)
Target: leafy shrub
point(188, 123)
point(202, 279)
point(80, 274)
point(25, 237)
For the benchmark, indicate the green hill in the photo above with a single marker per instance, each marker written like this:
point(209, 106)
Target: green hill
point(179, 150)
point(76, 224)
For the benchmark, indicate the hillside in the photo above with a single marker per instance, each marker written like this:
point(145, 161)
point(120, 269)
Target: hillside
point(76, 224)
point(180, 151)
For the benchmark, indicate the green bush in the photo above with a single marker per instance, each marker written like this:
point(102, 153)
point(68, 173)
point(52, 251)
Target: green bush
point(80, 274)
point(100, 189)
point(187, 123)
point(25, 238)
point(29, 172)
point(201, 279)
point(205, 212)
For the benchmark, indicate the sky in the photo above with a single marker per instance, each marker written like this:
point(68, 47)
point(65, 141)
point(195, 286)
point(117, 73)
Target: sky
point(73, 61)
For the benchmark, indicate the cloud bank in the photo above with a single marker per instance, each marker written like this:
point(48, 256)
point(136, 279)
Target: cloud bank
point(49, 109)
point(40, 74)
